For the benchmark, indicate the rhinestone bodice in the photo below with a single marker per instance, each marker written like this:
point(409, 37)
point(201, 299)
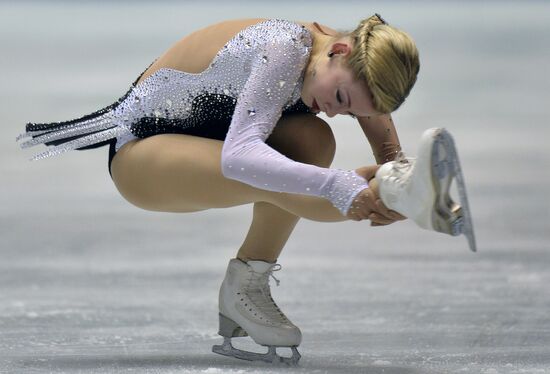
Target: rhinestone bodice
point(171, 100)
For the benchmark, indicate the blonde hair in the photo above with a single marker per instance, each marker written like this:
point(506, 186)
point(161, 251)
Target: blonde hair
point(386, 59)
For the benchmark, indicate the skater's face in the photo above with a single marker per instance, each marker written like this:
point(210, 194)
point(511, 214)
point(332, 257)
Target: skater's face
point(331, 84)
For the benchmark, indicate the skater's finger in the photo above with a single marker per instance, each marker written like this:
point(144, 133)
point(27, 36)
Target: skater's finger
point(397, 216)
point(357, 217)
point(367, 172)
point(370, 171)
point(391, 214)
point(362, 213)
point(382, 210)
point(353, 214)
point(375, 217)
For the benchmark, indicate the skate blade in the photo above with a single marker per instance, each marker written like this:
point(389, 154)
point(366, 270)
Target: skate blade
point(450, 217)
point(271, 357)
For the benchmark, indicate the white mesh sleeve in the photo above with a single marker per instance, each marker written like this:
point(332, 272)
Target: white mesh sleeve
point(245, 156)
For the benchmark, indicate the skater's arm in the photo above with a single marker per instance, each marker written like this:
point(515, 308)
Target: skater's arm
point(382, 136)
point(245, 156)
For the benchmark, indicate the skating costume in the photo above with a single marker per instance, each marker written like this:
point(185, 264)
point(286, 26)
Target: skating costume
point(254, 79)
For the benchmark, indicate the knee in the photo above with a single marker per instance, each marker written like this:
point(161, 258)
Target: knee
point(318, 142)
point(305, 138)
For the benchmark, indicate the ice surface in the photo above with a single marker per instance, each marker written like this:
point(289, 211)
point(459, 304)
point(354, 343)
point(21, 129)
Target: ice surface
point(92, 284)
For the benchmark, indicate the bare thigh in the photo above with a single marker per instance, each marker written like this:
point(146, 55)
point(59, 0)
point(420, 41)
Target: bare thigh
point(182, 173)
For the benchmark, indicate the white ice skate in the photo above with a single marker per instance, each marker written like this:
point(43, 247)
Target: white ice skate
point(419, 188)
point(247, 308)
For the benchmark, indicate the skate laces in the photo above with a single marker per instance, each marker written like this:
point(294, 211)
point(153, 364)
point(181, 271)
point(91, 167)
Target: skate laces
point(400, 157)
point(401, 165)
point(275, 268)
point(259, 293)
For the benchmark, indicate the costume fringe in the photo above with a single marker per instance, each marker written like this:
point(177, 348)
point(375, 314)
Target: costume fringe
point(84, 128)
point(97, 137)
point(90, 131)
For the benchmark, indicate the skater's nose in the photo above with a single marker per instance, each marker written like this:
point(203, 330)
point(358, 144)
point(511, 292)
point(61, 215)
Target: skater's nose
point(329, 110)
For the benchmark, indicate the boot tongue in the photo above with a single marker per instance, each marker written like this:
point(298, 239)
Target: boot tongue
point(260, 266)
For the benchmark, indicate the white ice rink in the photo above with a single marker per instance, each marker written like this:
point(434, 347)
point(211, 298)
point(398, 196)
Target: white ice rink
point(92, 284)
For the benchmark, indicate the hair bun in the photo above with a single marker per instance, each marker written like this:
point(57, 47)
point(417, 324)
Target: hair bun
point(386, 59)
point(369, 23)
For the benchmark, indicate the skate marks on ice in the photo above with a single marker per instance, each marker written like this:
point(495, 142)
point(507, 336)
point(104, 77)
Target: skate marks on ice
point(317, 361)
point(197, 363)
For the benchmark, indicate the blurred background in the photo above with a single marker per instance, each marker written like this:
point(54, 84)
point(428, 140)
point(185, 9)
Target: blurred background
point(92, 284)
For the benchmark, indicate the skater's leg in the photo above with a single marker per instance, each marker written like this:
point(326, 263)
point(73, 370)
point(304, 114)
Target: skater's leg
point(182, 173)
point(303, 138)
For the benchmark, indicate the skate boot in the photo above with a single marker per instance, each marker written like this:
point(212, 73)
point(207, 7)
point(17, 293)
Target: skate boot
point(419, 188)
point(247, 308)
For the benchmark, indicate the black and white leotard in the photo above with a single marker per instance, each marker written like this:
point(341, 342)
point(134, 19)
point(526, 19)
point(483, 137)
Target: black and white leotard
point(255, 78)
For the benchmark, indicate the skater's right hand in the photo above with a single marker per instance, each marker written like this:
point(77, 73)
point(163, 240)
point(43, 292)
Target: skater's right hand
point(365, 206)
point(368, 205)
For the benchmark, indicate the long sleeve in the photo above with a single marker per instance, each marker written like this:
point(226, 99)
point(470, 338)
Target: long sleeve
point(275, 72)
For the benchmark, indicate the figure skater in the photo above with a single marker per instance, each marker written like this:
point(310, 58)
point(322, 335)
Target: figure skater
point(227, 116)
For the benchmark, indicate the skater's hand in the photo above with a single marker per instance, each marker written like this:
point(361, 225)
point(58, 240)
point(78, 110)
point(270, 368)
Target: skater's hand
point(368, 205)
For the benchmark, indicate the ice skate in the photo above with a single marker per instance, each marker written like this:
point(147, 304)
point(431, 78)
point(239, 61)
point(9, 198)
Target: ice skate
point(247, 308)
point(419, 188)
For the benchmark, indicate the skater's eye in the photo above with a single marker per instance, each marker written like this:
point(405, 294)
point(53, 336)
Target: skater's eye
point(338, 97)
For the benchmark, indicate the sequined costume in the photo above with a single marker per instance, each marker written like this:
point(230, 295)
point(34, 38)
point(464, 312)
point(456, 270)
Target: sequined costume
point(254, 79)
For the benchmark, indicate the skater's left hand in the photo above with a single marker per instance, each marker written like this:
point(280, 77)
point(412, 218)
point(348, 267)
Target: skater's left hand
point(378, 214)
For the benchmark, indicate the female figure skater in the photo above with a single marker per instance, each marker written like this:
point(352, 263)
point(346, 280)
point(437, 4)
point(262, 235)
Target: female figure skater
point(227, 116)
